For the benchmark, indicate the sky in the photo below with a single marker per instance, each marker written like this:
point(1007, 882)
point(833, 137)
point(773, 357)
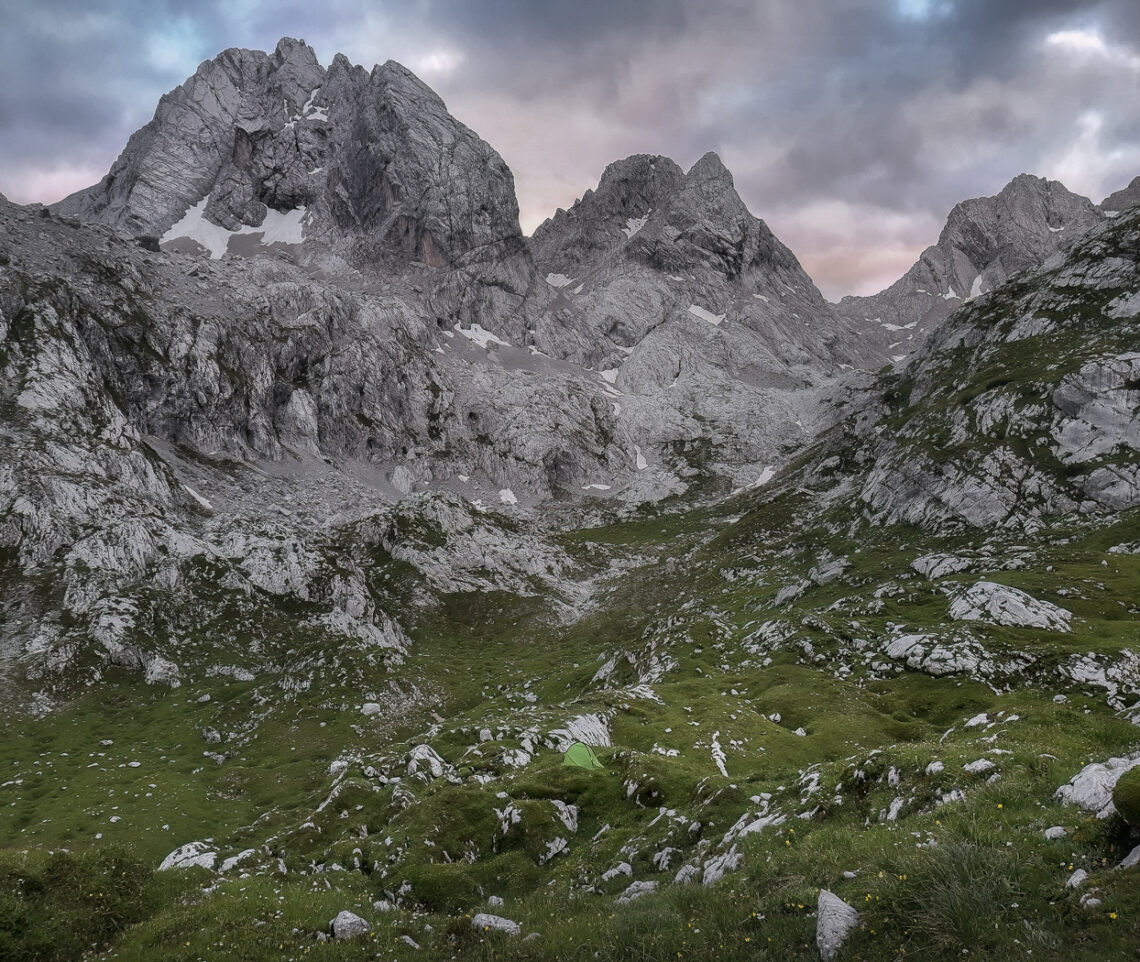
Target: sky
point(851, 126)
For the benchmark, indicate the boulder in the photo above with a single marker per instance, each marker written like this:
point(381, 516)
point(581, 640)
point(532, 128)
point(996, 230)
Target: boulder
point(834, 922)
point(349, 926)
point(1091, 788)
point(496, 923)
point(1002, 605)
point(189, 855)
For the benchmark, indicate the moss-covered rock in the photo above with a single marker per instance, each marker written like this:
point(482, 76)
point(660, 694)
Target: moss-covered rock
point(1126, 796)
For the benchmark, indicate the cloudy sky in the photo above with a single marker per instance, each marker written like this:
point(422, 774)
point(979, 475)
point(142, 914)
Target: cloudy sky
point(851, 126)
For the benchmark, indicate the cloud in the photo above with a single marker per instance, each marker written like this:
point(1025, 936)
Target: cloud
point(852, 128)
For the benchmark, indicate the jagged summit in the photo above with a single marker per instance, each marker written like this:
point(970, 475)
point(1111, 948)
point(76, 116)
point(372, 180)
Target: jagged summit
point(274, 148)
point(985, 240)
point(672, 221)
point(628, 190)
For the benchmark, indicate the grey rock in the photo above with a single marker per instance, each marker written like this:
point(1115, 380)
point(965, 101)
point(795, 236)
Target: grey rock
point(1002, 605)
point(1077, 879)
point(636, 890)
point(1091, 788)
point(496, 923)
point(190, 855)
point(348, 925)
point(835, 920)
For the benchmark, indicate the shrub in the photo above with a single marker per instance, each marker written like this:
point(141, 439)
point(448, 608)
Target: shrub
point(1126, 796)
point(957, 898)
point(58, 906)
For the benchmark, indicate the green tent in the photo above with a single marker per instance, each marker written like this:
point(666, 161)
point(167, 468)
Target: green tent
point(581, 755)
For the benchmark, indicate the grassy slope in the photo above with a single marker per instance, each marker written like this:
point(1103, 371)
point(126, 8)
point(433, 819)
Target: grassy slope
point(474, 658)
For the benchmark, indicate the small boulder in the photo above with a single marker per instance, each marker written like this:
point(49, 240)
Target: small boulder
point(1057, 831)
point(978, 767)
point(349, 926)
point(188, 856)
point(636, 890)
point(496, 923)
point(1091, 788)
point(1077, 879)
point(835, 920)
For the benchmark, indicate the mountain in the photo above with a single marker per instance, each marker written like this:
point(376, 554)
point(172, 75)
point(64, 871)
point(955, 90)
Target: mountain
point(675, 333)
point(693, 309)
point(368, 162)
point(317, 558)
point(985, 241)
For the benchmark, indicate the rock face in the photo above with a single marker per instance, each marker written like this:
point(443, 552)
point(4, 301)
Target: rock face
point(985, 241)
point(835, 920)
point(629, 191)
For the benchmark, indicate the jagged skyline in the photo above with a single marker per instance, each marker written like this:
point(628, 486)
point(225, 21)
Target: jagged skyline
point(852, 133)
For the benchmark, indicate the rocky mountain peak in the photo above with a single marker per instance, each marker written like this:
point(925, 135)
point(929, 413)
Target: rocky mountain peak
point(710, 167)
point(985, 241)
point(629, 190)
point(263, 150)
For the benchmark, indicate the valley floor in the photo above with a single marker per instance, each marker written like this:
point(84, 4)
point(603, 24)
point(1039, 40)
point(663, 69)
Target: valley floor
point(760, 742)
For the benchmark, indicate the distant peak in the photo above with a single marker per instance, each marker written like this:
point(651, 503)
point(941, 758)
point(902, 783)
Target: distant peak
point(709, 166)
point(644, 167)
point(288, 47)
point(395, 75)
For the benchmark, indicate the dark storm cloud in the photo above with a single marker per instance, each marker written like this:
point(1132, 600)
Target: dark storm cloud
point(851, 127)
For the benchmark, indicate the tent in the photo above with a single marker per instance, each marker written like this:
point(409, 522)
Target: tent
point(581, 755)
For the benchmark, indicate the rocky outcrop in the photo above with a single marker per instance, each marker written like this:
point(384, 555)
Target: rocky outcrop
point(1022, 406)
point(1002, 605)
point(985, 241)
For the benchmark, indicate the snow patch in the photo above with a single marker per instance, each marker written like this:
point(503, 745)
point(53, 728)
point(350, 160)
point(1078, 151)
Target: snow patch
point(480, 336)
point(279, 227)
point(765, 476)
point(197, 497)
point(705, 315)
point(633, 225)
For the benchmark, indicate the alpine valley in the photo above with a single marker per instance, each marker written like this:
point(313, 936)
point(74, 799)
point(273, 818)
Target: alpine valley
point(334, 510)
